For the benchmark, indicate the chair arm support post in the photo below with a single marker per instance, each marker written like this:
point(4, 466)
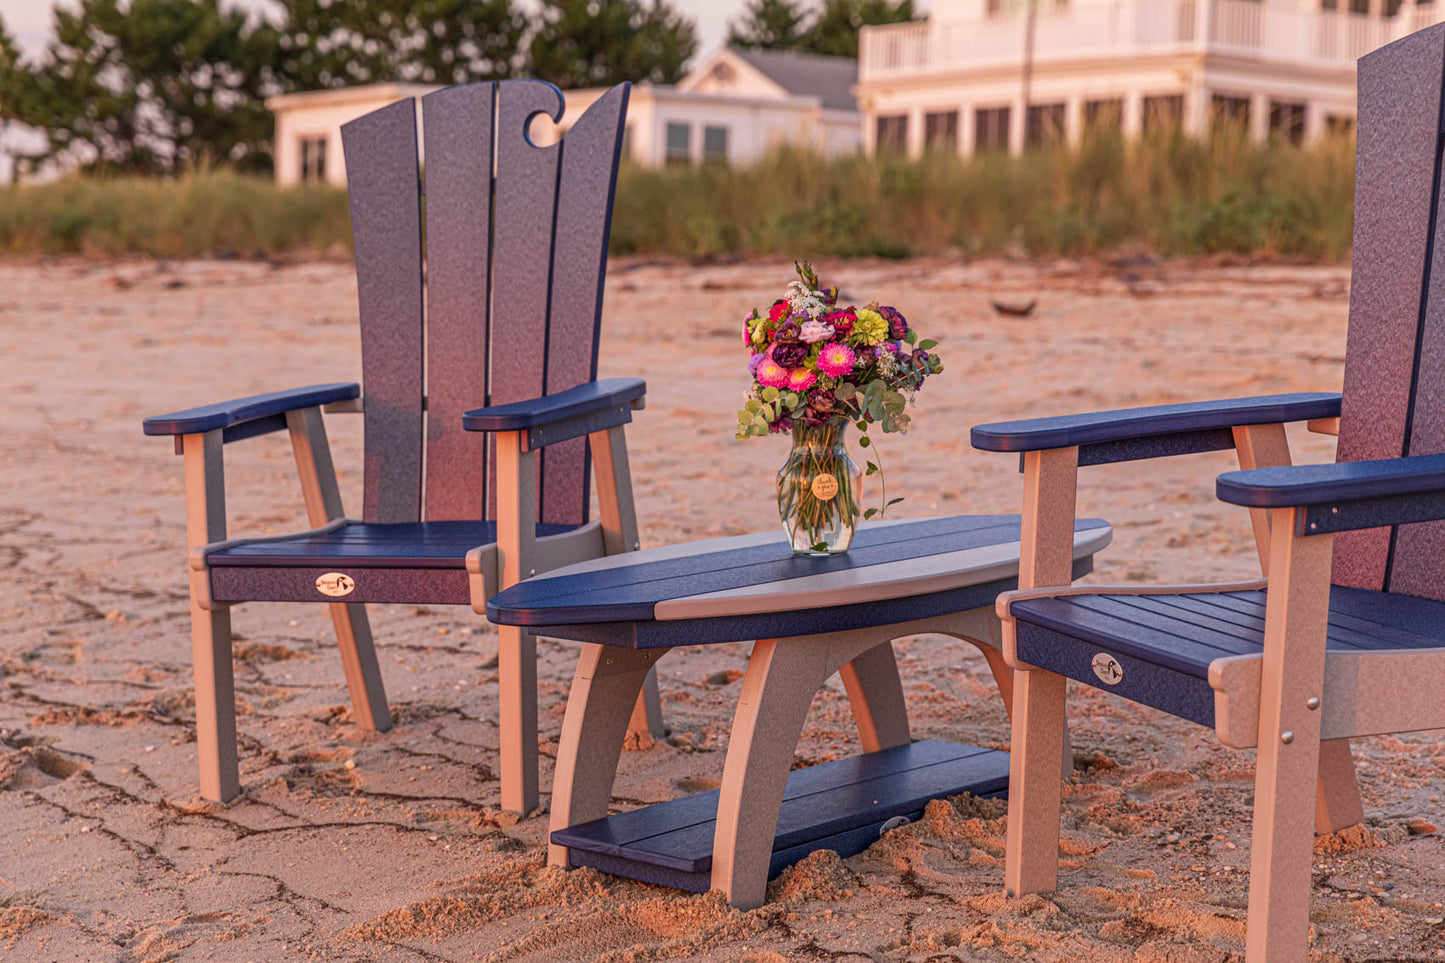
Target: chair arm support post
point(1296, 622)
point(1046, 550)
point(614, 490)
point(516, 508)
point(1261, 446)
point(205, 476)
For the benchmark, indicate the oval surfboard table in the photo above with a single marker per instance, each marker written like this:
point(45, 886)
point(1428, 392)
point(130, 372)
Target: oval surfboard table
point(809, 618)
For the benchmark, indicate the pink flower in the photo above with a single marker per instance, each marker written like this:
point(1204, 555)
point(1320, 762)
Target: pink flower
point(772, 374)
point(815, 331)
point(801, 379)
point(836, 360)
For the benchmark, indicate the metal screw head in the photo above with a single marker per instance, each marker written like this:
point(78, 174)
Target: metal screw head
point(1286, 737)
point(531, 572)
point(1313, 702)
point(636, 546)
point(1334, 511)
point(1313, 525)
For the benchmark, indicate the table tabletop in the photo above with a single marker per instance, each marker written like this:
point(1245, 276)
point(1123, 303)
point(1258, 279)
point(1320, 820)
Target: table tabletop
point(753, 586)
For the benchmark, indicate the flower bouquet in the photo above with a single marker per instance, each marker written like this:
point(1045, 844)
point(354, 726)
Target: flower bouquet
point(816, 368)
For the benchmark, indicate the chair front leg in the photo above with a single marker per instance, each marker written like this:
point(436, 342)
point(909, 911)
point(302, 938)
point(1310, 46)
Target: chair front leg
point(1337, 800)
point(619, 534)
point(353, 631)
point(516, 647)
point(211, 623)
point(1291, 687)
point(1039, 750)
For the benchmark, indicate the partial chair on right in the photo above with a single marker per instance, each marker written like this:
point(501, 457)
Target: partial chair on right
point(1344, 637)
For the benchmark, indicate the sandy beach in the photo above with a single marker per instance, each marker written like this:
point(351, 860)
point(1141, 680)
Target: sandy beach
point(347, 845)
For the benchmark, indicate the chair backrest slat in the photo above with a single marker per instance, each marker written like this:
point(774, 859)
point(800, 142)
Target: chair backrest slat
point(1395, 367)
point(381, 169)
point(516, 252)
point(457, 126)
point(584, 218)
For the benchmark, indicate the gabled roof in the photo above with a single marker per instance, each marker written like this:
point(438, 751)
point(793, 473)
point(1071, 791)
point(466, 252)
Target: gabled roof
point(830, 79)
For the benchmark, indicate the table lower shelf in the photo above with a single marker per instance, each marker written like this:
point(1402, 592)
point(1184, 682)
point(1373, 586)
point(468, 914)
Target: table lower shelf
point(841, 805)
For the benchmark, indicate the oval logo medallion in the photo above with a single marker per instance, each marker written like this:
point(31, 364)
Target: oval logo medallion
point(335, 585)
point(1107, 668)
point(825, 486)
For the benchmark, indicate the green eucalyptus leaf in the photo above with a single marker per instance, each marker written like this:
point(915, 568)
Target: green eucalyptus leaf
point(926, 344)
point(864, 442)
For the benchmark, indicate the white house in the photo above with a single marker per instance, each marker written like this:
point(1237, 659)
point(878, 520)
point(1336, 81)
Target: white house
point(733, 108)
point(959, 81)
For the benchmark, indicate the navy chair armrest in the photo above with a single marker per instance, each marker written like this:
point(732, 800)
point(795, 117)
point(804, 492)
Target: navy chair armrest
point(566, 414)
point(1135, 433)
point(229, 415)
point(1345, 495)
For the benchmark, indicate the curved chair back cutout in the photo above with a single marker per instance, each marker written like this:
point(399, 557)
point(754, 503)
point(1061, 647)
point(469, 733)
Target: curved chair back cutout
point(479, 284)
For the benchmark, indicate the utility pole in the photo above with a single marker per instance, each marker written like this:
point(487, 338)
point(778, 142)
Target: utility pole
point(1031, 25)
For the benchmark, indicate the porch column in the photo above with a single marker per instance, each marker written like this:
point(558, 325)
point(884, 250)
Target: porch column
point(1133, 120)
point(1074, 121)
point(967, 135)
point(1018, 117)
point(1258, 118)
point(915, 132)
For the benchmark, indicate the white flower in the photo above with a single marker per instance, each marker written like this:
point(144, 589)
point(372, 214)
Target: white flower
point(814, 331)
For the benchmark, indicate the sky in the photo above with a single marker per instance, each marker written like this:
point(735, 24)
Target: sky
point(29, 20)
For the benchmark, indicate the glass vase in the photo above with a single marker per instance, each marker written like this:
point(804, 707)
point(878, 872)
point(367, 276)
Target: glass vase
point(819, 491)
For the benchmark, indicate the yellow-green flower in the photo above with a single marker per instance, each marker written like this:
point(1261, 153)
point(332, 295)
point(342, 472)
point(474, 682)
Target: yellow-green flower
point(869, 329)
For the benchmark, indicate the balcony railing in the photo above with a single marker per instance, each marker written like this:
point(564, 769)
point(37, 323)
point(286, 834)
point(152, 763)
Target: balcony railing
point(1247, 28)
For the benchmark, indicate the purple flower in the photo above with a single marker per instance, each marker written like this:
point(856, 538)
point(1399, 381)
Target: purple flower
point(788, 332)
point(897, 323)
point(756, 360)
point(790, 354)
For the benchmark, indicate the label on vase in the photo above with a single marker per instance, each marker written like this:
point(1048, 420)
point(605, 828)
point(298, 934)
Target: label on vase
point(825, 486)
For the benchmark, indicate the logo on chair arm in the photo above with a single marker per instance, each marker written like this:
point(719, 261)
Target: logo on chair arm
point(335, 584)
point(1107, 668)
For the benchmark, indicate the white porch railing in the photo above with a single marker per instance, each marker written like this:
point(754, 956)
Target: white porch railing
point(1134, 27)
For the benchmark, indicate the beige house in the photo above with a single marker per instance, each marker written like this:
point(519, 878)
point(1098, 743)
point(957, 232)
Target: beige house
point(733, 108)
point(956, 81)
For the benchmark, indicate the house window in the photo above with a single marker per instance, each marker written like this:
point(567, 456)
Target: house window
point(990, 129)
point(1287, 120)
point(715, 144)
point(679, 143)
point(1229, 113)
point(1164, 113)
point(1045, 127)
point(892, 134)
point(313, 159)
point(1339, 125)
point(940, 130)
point(1103, 116)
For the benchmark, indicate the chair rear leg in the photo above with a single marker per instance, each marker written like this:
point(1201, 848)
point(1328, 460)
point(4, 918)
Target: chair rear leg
point(1035, 791)
point(875, 692)
point(215, 703)
point(358, 661)
point(517, 675)
point(1337, 798)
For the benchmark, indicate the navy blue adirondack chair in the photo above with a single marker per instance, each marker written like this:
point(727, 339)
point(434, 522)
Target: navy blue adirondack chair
point(488, 330)
point(1345, 636)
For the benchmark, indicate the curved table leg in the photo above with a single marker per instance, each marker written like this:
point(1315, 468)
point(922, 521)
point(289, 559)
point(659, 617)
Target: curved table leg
point(781, 680)
point(604, 693)
point(876, 694)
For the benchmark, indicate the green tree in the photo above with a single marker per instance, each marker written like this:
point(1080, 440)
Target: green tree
point(153, 87)
point(594, 43)
point(325, 43)
point(770, 24)
point(835, 31)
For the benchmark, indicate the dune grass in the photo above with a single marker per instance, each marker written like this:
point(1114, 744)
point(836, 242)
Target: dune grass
point(1168, 196)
